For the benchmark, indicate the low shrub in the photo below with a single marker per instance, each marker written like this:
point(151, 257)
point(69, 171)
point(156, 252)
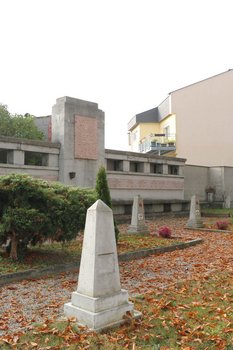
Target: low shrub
point(33, 210)
point(165, 232)
point(222, 225)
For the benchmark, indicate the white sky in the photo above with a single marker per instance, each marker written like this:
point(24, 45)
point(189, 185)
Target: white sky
point(126, 55)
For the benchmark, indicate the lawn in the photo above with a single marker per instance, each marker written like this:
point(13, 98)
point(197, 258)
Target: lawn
point(185, 296)
point(57, 253)
point(188, 315)
point(218, 211)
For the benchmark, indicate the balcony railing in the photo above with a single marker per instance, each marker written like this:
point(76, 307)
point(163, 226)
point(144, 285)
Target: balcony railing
point(158, 144)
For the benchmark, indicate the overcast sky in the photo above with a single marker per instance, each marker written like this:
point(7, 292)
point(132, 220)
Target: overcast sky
point(126, 55)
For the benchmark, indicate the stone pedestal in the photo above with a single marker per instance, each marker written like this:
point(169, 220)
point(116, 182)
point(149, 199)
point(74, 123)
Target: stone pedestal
point(99, 301)
point(195, 220)
point(138, 217)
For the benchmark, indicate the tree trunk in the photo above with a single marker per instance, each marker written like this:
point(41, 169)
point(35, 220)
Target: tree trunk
point(14, 244)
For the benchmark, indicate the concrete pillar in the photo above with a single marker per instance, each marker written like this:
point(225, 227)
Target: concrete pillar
point(53, 160)
point(18, 157)
point(147, 168)
point(79, 126)
point(126, 165)
point(181, 170)
point(165, 169)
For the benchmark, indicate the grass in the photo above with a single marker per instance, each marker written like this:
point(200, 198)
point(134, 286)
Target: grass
point(57, 253)
point(218, 211)
point(189, 315)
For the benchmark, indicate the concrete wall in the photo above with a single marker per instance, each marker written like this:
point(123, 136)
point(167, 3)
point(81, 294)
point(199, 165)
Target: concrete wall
point(44, 124)
point(221, 178)
point(204, 121)
point(200, 180)
point(196, 181)
point(15, 151)
point(228, 181)
point(164, 108)
point(124, 183)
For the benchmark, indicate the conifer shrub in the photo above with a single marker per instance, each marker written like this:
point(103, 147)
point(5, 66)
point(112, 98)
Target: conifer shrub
point(103, 193)
point(33, 210)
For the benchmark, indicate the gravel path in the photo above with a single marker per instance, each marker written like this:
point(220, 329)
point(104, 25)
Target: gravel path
point(27, 302)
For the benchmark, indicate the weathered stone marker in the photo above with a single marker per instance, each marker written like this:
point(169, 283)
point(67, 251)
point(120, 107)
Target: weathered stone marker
point(138, 217)
point(227, 201)
point(99, 301)
point(195, 220)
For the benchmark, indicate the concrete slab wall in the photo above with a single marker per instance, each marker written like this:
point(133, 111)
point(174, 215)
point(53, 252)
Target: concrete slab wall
point(196, 180)
point(228, 181)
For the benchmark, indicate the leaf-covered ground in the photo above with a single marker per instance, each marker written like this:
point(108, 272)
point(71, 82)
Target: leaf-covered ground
point(185, 296)
point(57, 253)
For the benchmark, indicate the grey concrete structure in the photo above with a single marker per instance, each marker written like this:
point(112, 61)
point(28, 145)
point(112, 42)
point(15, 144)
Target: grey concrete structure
point(79, 127)
point(36, 158)
point(44, 124)
point(153, 177)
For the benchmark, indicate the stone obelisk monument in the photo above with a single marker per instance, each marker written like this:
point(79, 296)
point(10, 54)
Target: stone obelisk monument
point(99, 301)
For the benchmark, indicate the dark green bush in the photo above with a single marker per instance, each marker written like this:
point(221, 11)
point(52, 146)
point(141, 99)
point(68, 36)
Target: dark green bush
point(33, 210)
point(103, 193)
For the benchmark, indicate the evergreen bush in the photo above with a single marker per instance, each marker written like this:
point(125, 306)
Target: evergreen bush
point(33, 210)
point(103, 193)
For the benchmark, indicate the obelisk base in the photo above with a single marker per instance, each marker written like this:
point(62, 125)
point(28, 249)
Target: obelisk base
point(100, 313)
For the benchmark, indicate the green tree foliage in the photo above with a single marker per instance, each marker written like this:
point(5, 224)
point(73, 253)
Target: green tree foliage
point(5, 121)
point(102, 188)
point(103, 193)
point(33, 210)
point(21, 126)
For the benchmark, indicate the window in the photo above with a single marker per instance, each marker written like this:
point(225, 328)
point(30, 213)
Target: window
point(137, 167)
point(114, 165)
point(167, 207)
point(173, 169)
point(166, 131)
point(36, 158)
point(156, 168)
point(3, 156)
point(6, 156)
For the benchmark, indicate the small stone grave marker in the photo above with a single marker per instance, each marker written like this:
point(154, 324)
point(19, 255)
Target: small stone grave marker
point(138, 217)
point(227, 201)
point(195, 220)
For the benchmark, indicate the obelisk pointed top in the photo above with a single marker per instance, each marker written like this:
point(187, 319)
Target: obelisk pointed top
point(100, 206)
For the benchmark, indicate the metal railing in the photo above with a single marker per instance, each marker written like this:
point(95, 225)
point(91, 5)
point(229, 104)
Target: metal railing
point(160, 143)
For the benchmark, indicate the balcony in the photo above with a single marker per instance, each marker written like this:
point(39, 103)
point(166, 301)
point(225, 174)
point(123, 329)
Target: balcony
point(159, 144)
